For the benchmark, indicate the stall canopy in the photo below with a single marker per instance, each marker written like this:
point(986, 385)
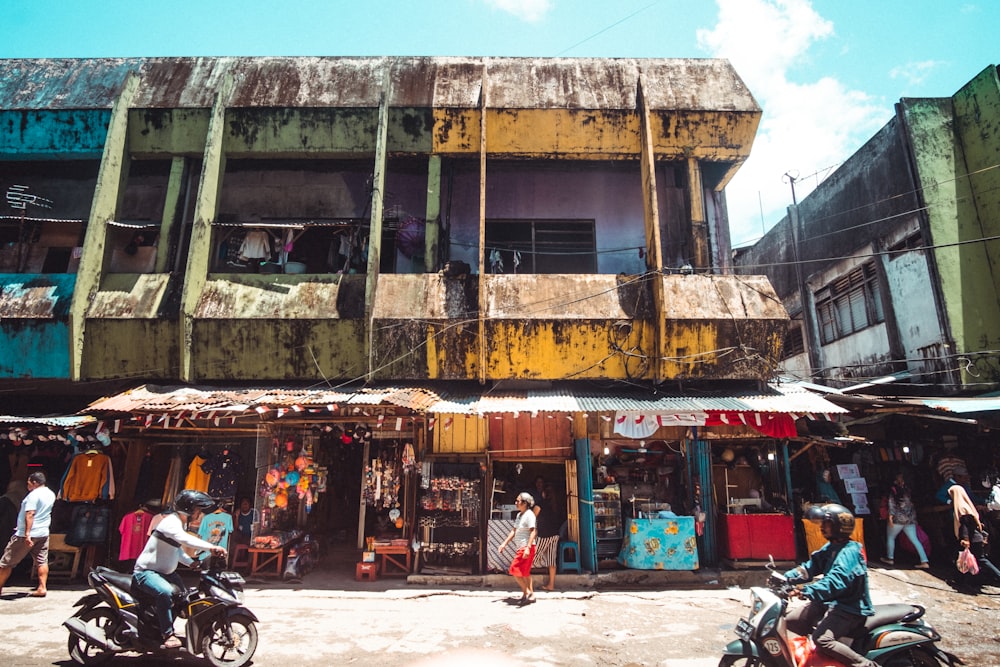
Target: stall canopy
point(772, 410)
point(21, 430)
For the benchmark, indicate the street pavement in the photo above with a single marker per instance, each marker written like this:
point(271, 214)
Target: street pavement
point(625, 619)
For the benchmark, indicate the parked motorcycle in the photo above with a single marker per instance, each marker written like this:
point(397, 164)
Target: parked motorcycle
point(896, 636)
point(113, 619)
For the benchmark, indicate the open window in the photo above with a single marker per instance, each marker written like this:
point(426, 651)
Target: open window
point(291, 246)
point(541, 246)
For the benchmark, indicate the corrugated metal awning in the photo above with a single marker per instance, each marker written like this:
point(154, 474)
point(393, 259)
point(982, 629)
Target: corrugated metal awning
point(778, 399)
point(71, 421)
point(959, 405)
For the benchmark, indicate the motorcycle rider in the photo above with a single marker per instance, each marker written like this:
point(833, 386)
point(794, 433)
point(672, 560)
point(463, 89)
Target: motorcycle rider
point(839, 602)
point(155, 572)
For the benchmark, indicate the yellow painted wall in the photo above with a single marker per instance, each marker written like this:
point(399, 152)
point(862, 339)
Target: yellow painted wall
point(459, 434)
point(252, 349)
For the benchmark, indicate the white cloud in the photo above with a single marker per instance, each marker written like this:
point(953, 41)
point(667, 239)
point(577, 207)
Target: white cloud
point(526, 10)
point(806, 128)
point(915, 73)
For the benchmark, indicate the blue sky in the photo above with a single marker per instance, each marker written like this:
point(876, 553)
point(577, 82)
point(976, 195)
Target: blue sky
point(825, 72)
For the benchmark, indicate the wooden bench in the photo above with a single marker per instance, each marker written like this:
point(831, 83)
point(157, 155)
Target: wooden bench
point(57, 545)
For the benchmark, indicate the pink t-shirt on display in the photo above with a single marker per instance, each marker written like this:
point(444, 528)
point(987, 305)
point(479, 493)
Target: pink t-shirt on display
point(134, 531)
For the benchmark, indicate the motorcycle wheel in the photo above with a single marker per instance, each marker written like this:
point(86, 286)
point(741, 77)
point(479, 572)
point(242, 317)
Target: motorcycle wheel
point(916, 657)
point(222, 651)
point(741, 661)
point(84, 653)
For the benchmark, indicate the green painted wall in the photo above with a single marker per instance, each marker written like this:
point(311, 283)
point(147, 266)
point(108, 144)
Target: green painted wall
point(956, 144)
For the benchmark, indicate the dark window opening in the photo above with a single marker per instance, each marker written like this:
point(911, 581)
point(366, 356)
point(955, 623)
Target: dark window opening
point(794, 342)
point(541, 246)
point(911, 242)
point(849, 304)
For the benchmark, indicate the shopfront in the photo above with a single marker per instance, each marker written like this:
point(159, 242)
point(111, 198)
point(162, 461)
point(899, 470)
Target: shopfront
point(417, 483)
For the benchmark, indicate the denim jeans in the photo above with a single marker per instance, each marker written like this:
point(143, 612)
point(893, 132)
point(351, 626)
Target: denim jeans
point(910, 529)
point(162, 588)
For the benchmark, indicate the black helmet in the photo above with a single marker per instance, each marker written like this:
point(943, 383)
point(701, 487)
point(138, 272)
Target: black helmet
point(189, 500)
point(841, 519)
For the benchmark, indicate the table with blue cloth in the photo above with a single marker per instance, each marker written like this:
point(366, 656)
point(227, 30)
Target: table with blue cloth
point(659, 544)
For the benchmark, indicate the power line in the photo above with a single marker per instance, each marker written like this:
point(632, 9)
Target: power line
point(604, 30)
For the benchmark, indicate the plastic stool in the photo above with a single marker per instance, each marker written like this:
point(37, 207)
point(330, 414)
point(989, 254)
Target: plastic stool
point(367, 571)
point(569, 557)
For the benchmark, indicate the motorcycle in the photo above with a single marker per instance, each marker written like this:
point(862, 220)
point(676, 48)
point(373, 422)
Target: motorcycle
point(113, 619)
point(896, 636)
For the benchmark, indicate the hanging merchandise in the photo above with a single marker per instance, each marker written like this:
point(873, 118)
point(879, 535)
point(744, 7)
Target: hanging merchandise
point(224, 469)
point(88, 477)
point(383, 480)
point(293, 473)
point(409, 458)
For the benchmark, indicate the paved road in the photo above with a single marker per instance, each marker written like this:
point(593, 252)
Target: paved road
point(410, 626)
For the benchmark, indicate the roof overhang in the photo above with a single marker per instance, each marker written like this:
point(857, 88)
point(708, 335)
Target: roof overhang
point(182, 406)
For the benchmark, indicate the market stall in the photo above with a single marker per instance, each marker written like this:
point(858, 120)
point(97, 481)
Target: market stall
point(753, 522)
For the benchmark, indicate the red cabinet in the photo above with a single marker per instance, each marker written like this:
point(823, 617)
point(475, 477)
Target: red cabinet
point(757, 536)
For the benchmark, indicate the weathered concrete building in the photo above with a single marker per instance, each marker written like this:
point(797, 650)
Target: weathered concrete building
point(467, 231)
point(574, 189)
point(889, 266)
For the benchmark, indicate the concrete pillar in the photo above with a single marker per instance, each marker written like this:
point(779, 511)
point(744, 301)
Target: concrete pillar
point(206, 207)
point(699, 226)
point(375, 228)
point(108, 194)
point(432, 218)
point(172, 212)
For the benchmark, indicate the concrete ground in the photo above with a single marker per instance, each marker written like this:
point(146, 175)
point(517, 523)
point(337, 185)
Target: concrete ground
point(620, 618)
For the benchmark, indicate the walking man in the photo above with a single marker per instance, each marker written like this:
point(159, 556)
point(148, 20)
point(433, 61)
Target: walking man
point(32, 534)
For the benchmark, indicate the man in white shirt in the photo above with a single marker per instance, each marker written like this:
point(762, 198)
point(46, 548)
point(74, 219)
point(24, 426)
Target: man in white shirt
point(155, 571)
point(32, 533)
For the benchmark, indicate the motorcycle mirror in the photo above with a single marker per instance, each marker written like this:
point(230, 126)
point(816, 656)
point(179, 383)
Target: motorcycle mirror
point(771, 565)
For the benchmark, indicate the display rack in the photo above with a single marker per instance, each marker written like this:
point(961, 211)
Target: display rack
point(608, 521)
point(450, 508)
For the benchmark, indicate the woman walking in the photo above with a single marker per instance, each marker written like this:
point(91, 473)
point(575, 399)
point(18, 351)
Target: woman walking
point(902, 519)
point(523, 535)
point(969, 529)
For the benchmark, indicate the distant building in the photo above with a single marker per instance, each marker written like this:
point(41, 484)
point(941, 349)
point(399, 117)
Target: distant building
point(890, 266)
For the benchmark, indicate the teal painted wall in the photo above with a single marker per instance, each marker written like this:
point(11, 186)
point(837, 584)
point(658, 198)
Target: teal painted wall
point(46, 135)
point(35, 343)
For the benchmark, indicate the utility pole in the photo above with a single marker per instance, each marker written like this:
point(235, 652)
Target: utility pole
point(791, 181)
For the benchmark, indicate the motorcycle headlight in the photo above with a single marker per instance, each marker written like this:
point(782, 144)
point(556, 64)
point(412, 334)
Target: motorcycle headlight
point(767, 627)
point(756, 604)
point(223, 594)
